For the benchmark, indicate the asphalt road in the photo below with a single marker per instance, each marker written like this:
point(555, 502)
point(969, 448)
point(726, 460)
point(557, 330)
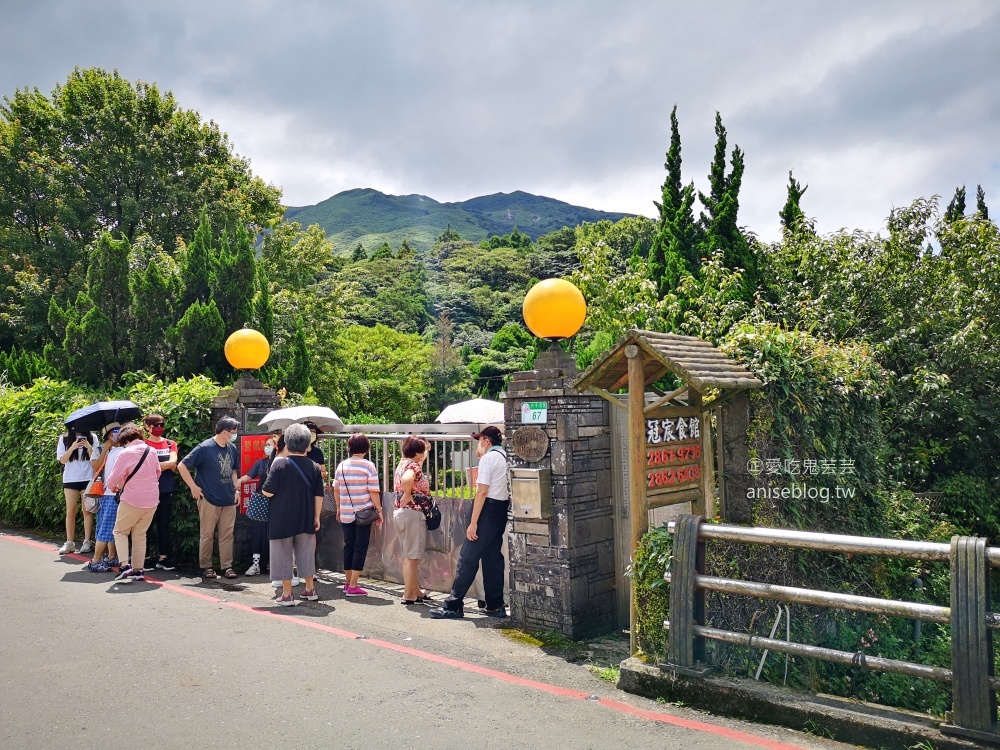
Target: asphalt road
point(87, 663)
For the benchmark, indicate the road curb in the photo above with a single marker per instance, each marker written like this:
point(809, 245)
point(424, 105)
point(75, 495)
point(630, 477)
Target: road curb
point(822, 715)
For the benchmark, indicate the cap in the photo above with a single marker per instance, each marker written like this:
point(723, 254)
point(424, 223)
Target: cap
point(111, 426)
point(491, 432)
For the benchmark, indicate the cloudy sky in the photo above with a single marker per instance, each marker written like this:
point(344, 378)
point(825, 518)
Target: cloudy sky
point(871, 104)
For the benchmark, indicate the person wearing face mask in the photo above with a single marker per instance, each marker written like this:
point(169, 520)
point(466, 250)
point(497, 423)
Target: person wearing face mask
point(315, 453)
point(258, 529)
point(214, 488)
point(166, 454)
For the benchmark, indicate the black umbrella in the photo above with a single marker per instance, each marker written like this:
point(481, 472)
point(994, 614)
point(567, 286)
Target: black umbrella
point(95, 416)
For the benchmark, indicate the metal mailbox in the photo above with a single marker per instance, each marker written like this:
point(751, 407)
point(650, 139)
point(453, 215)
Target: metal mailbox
point(531, 493)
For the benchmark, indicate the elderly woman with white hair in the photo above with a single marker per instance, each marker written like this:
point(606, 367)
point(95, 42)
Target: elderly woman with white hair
point(294, 487)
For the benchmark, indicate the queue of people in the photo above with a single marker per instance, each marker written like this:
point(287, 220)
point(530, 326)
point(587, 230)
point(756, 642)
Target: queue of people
point(138, 470)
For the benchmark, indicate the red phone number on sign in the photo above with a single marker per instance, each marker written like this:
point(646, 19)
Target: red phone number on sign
point(667, 456)
point(669, 477)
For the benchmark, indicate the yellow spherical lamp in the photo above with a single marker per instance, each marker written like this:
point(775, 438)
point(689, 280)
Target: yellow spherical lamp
point(247, 349)
point(554, 309)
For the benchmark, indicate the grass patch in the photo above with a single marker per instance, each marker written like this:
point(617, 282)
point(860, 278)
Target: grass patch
point(610, 673)
point(555, 644)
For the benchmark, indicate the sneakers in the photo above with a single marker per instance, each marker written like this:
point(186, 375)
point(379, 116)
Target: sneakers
point(68, 548)
point(101, 566)
point(128, 575)
point(355, 591)
point(253, 570)
point(277, 584)
point(309, 596)
point(500, 611)
point(286, 601)
point(443, 613)
point(112, 562)
point(87, 547)
point(166, 563)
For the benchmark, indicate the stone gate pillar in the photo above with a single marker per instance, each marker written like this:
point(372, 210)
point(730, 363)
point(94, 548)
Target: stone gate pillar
point(562, 569)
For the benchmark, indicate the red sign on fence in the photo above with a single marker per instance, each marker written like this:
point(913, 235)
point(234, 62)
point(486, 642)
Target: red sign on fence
point(251, 451)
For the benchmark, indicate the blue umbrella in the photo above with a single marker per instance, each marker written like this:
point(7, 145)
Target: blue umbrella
point(95, 416)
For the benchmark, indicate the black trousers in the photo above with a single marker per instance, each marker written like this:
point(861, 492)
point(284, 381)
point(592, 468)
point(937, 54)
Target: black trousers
point(259, 544)
point(487, 549)
point(356, 540)
point(161, 520)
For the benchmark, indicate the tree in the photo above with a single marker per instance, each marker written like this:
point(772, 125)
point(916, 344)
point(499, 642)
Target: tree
point(263, 311)
point(956, 208)
point(199, 264)
point(154, 296)
point(108, 290)
point(103, 154)
point(447, 377)
point(201, 334)
point(449, 235)
point(359, 254)
point(981, 211)
point(294, 259)
point(719, 221)
point(673, 251)
point(405, 251)
point(299, 369)
point(792, 217)
point(382, 252)
point(236, 274)
point(377, 371)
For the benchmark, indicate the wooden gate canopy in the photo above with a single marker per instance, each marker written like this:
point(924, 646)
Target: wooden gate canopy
point(693, 360)
point(669, 440)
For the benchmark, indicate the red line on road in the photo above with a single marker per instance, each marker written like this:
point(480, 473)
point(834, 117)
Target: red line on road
point(614, 705)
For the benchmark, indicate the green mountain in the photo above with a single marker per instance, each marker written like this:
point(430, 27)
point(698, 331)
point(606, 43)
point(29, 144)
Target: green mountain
point(370, 217)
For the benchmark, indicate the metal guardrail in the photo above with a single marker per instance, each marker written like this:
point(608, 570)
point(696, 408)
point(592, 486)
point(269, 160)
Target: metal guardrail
point(974, 686)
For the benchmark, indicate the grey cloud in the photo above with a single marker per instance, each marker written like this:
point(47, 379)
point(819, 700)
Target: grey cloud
point(455, 99)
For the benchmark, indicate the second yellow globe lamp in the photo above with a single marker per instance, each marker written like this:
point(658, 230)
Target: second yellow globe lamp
point(247, 349)
point(554, 309)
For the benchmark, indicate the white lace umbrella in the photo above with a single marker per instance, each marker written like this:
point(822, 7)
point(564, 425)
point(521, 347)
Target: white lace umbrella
point(476, 410)
point(324, 417)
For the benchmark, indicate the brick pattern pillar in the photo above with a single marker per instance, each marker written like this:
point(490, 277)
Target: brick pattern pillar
point(562, 571)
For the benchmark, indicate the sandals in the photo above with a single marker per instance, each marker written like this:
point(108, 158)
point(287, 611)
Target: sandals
point(230, 573)
point(209, 573)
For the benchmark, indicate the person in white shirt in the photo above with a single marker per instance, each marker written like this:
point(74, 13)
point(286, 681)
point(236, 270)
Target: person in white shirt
point(484, 535)
point(76, 450)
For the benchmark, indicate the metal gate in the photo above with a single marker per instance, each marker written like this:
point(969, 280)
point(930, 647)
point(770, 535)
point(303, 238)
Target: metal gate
point(452, 455)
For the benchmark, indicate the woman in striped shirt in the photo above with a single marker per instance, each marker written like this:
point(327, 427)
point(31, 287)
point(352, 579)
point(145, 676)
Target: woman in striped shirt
point(356, 487)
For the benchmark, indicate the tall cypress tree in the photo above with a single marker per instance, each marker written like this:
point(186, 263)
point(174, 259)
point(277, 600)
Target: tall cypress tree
point(201, 335)
point(108, 289)
point(981, 211)
point(673, 252)
point(956, 208)
point(199, 265)
point(792, 217)
point(359, 254)
point(234, 281)
point(153, 310)
point(299, 369)
point(263, 310)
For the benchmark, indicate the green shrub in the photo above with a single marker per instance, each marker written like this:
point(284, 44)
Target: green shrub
point(31, 420)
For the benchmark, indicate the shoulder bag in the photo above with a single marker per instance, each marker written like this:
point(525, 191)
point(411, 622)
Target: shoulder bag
point(118, 495)
point(365, 516)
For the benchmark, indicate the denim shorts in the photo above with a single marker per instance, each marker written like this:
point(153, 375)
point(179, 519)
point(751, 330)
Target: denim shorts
point(106, 517)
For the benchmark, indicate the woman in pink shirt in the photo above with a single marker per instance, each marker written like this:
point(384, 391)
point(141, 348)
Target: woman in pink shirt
point(135, 476)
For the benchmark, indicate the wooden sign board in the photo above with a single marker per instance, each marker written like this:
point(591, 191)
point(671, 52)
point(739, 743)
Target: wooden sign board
point(674, 455)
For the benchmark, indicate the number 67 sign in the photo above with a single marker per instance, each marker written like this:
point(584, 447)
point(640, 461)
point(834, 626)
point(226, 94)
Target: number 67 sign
point(534, 412)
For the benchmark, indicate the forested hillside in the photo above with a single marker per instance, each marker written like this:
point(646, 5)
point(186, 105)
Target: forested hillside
point(369, 217)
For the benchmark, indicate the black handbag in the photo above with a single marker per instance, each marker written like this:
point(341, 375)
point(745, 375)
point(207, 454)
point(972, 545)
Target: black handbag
point(365, 516)
point(433, 517)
